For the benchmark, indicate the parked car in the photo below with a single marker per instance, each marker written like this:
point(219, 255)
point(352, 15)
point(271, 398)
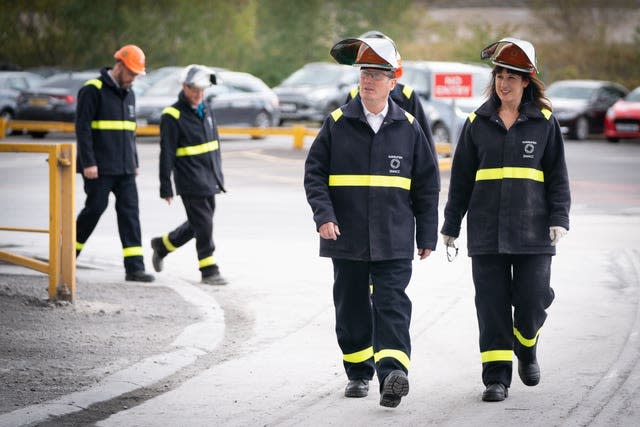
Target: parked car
point(11, 84)
point(580, 105)
point(54, 99)
point(622, 120)
point(421, 75)
point(239, 99)
point(315, 90)
point(142, 83)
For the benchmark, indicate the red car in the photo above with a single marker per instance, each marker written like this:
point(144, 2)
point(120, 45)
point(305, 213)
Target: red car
point(623, 118)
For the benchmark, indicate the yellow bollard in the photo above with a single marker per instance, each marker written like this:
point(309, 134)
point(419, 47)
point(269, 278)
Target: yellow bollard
point(298, 137)
point(3, 127)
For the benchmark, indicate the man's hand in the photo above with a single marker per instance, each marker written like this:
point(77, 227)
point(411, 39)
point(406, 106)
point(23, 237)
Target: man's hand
point(424, 253)
point(168, 199)
point(329, 231)
point(556, 233)
point(91, 172)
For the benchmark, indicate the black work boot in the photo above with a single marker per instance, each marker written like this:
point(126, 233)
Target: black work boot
point(139, 276)
point(495, 392)
point(394, 387)
point(357, 388)
point(158, 249)
point(529, 372)
point(214, 279)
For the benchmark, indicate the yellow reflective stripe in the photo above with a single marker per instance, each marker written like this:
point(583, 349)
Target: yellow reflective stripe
point(336, 114)
point(524, 341)
point(407, 91)
point(400, 356)
point(113, 125)
point(353, 92)
point(206, 262)
point(546, 113)
point(95, 82)
point(172, 111)
point(369, 181)
point(409, 117)
point(472, 116)
point(371, 289)
point(497, 356)
point(79, 246)
point(195, 150)
point(132, 251)
point(359, 356)
point(167, 243)
point(513, 173)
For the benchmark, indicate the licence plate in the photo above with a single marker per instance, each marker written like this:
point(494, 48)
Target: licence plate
point(287, 107)
point(627, 127)
point(38, 102)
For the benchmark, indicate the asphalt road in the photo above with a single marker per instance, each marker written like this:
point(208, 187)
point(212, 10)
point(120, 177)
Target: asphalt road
point(276, 360)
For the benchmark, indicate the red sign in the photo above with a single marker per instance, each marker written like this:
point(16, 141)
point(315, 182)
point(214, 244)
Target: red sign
point(452, 85)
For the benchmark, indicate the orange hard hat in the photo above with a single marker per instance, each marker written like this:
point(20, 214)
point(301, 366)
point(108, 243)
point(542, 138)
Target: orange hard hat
point(132, 57)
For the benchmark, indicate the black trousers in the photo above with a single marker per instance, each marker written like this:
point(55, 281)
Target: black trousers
point(126, 192)
point(199, 224)
point(372, 327)
point(503, 282)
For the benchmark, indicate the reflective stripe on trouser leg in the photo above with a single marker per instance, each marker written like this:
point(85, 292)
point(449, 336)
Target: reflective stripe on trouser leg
point(391, 316)
point(352, 303)
point(126, 193)
point(492, 281)
point(531, 296)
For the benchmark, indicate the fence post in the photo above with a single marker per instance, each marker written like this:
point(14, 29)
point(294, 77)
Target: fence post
point(65, 286)
point(298, 137)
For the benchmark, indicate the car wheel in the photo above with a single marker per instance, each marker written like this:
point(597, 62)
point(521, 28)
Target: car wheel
point(37, 135)
point(263, 120)
point(580, 130)
point(613, 139)
point(440, 134)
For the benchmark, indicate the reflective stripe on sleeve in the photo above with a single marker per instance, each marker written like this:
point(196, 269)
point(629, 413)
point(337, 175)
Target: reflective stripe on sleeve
point(113, 125)
point(511, 173)
point(79, 246)
point(369, 181)
point(94, 82)
point(336, 114)
point(172, 111)
point(195, 150)
point(359, 356)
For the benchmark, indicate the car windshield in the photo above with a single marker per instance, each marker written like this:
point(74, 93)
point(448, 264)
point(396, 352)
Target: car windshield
point(570, 92)
point(634, 96)
point(168, 86)
point(315, 76)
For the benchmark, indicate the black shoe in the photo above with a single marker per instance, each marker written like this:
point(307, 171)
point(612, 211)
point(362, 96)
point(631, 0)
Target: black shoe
point(139, 276)
point(529, 372)
point(394, 387)
point(495, 392)
point(156, 259)
point(215, 279)
point(357, 388)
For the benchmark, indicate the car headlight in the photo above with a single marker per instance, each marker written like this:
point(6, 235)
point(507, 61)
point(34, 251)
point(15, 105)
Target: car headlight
point(610, 114)
point(565, 115)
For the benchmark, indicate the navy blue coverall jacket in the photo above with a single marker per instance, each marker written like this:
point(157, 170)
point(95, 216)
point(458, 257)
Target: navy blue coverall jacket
point(513, 183)
point(380, 188)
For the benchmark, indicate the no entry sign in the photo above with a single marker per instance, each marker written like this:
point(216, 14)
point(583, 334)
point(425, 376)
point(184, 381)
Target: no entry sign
point(452, 85)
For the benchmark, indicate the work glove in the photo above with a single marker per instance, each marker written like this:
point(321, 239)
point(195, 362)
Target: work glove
point(449, 241)
point(556, 233)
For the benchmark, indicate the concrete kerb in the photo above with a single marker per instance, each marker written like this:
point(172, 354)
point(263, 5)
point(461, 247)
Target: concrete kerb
point(195, 340)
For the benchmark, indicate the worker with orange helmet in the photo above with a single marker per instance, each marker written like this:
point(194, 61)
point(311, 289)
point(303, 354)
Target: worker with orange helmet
point(402, 94)
point(107, 155)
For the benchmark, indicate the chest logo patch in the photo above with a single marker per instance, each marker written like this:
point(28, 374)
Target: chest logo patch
point(529, 148)
point(394, 163)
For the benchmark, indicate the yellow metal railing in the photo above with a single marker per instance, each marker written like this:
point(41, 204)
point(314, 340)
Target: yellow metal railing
point(62, 220)
point(297, 132)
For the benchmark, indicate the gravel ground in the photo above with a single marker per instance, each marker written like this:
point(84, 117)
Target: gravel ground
point(50, 349)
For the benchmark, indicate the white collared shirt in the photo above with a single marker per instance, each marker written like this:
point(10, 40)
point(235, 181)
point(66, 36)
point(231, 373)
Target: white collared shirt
point(375, 120)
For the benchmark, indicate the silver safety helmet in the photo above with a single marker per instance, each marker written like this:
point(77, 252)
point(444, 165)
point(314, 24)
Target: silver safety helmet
point(199, 76)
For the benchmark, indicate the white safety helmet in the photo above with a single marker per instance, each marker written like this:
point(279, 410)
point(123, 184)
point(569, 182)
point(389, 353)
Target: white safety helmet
point(199, 76)
point(367, 53)
point(512, 53)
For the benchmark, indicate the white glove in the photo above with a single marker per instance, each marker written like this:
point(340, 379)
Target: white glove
point(556, 233)
point(449, 241)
